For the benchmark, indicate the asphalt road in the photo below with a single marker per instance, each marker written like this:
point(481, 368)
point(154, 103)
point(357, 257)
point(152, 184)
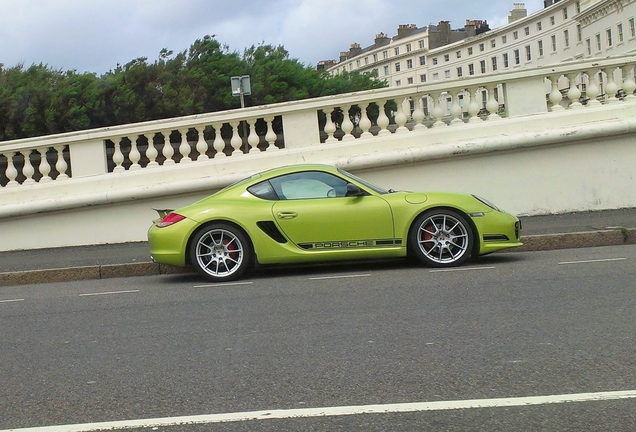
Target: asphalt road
point(512, 326)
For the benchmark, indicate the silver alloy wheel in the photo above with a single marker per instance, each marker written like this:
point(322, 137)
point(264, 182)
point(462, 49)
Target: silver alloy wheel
point(443, 239)
point(219, 253)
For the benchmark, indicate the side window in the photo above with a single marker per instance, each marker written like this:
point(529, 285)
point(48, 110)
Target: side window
point(308, 185)
point(263, 190)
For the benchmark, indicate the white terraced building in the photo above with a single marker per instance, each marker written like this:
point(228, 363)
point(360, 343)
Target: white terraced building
point(564, 30)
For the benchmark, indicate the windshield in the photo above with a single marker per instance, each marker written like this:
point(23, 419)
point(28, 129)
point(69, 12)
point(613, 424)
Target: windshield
point(364, 182)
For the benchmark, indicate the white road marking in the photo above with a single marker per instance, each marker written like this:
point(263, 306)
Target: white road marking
point(335, 411)
point(222, 284)
point(592, 261)
point(456, 269)
point(108, 293)
point(12, 300)
point(341, 276)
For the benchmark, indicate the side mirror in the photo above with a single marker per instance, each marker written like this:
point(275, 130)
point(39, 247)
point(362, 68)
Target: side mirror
point(353, 190)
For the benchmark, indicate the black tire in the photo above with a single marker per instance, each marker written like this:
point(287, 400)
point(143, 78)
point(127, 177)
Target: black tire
point(220, 252)
point(441, 238)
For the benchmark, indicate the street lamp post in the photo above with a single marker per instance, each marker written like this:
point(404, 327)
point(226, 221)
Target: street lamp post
point(241, 87)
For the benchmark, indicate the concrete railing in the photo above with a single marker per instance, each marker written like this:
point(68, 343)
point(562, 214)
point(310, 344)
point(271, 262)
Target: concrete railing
point(170, 162)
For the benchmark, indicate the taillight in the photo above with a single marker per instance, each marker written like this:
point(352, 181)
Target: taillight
point(170, 219)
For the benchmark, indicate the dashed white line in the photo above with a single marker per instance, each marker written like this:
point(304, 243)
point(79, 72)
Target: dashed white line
point(592, 261)
point(11, 300)
point(340, 276)
point(457, 269)
point(108, 293)
point(336, 411)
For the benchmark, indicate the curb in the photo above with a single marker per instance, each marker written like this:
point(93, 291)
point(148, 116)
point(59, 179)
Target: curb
point(613, 237)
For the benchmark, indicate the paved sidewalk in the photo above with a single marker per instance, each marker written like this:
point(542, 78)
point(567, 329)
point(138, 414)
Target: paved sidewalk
point(571, 230)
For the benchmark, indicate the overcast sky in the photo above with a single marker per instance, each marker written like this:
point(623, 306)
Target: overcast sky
point(96, 35)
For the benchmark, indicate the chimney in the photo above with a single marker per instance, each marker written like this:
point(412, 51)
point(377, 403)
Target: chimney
point(405, 29)
point(380, 37)
point(344, 56)
point(518, 12)
point(354, 49)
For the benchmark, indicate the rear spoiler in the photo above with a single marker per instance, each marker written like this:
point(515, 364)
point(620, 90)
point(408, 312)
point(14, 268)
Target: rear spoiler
point(163, 212)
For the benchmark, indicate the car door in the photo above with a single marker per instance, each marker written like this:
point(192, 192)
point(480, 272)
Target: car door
point(315, 212)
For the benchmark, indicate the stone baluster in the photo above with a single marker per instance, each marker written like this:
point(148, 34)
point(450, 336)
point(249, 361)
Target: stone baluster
point(60, 165)
point(270, 136)
point(118, 156)
point(167, 151)
point(473, 105)
point(27, 170)
point(611, 88)
point(629, 85)
point(365, 122)
point(151, 152)
point(438, 112)
point(400, 116)
point(456, 109)
point(134, 155)
point(330, 126)
point(383, 120)
point(347, 124)
point(45, 166)
point(219, 142)
point(492, 105)
point(184, 147)
point(202, 145)
point(11, 172)
point(555, 97)
point(236, 142)
point(418, 112)
point(593, 89)
point(574, 93)
point(252, 138)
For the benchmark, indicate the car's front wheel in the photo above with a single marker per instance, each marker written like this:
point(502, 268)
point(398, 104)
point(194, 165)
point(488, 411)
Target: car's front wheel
point(441, 238)
point(220, 252)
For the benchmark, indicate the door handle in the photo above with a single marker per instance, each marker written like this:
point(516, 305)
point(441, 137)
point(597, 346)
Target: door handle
point(286, 215)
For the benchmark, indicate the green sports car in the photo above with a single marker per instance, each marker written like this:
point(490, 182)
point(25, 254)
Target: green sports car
point(313, 213)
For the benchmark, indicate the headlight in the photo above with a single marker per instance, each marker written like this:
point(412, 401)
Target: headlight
point(486, 202)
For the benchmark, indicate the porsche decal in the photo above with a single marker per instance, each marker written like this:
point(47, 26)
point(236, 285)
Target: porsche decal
point(350, 244)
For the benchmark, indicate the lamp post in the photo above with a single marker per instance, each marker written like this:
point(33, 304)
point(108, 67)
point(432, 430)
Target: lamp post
point(241, 87)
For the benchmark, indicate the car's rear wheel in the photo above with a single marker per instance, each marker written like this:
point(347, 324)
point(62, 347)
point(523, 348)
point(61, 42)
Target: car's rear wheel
point(220, 252)
point(441, 238)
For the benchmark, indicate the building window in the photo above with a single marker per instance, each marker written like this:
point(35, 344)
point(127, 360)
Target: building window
point(396, 50)
point(539, 26)
point(446, 57)
point(577, 5)
point(458, 54)
point(423, 78)
point(608, 37)
point(504, 39)
point(409, 64)
point(471, 69)
point(632, 28)
point(588, 45)
point(435, 61)
point(493, 60)
point(409, 80)
point(516, 53)
point(481, 47)
point(460, 72)
point(397, 66)
point(482, 65)
point(553, 41)
point(528, 53)
point(565, 13)
point(493, 44)
point(579, 33)
point(375, 58)
point(398, 83)
point(421, 44)
point(470, 50)
point(386, 70)
point(408, 47)
point(552, 20)
point(376, 72)
point(358, 63)
point(598, 41)
point(447, 74)
point(505, 60)
point(515, 35)
point(619, 32)
point(540, 48)
point(566, 38)
point(527, 31)
point(385, 54)
point(435, 76)
point(422, 60)
point(366, 60)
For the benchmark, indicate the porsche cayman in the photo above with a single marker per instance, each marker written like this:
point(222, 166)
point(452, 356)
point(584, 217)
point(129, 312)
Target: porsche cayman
point(314, 213)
